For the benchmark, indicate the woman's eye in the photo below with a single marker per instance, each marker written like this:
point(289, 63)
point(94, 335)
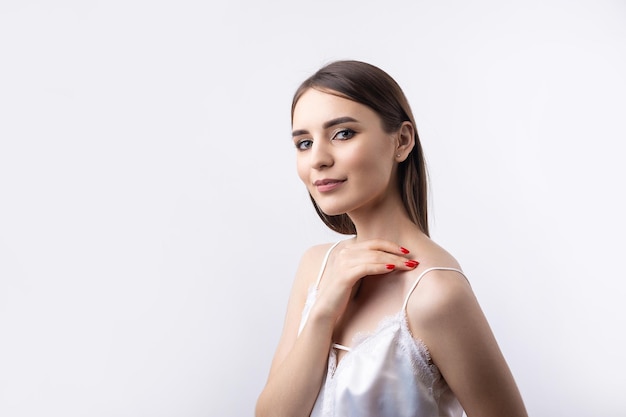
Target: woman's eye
point(304, 144)
point(344, 134)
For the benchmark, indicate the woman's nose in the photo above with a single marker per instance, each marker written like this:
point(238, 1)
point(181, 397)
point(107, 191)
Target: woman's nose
point(321, 155)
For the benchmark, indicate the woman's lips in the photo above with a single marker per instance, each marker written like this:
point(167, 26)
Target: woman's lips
point(326, 185)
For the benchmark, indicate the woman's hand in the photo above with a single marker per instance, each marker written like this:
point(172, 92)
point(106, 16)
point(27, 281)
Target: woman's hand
point(349, 263)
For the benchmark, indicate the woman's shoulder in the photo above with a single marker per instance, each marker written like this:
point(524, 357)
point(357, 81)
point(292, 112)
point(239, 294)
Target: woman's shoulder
point(442, 285)
point(315, 254)
point(432, 255)
point(311, 261)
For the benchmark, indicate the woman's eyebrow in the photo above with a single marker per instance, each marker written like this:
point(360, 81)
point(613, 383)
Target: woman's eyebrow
point(326, 125)
point(338, 121)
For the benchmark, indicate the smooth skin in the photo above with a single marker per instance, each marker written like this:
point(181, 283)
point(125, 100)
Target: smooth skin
point(367, 277)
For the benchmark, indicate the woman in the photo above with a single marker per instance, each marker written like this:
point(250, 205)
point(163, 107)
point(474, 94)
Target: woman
point(383, 323)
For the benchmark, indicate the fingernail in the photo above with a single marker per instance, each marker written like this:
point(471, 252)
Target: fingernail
point(411, 264)
point(390, 266)
point(404, 250)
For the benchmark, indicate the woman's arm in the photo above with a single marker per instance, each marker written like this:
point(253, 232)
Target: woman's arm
point(298, 365)
point(446, 315)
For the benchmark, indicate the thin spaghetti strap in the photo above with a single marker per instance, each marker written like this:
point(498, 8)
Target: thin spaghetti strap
point(312, 293)
point(324, 262)
point(341, 347)
point(439, 268)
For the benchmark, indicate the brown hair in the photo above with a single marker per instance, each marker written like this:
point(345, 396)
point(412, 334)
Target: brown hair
point(372, 87)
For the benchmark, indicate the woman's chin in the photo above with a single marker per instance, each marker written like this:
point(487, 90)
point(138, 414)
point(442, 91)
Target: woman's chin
point(329, 214)
point(331, 211)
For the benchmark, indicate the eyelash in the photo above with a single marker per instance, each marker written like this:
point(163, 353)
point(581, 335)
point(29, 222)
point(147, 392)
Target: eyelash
point(346, 132)
point(301, 142)
point(350, 132)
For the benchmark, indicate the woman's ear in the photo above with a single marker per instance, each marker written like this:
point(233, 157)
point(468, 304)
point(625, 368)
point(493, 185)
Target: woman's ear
point(405, 141)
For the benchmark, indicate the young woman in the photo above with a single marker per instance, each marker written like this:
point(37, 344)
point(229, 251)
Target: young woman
point(384, 322)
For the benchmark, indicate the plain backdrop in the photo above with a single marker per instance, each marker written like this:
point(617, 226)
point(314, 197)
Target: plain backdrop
point(151, 219)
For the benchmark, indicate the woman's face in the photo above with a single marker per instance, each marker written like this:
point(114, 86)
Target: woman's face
point(344, 157)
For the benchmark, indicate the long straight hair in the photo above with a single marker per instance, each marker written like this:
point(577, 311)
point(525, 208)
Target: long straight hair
point(369, 85)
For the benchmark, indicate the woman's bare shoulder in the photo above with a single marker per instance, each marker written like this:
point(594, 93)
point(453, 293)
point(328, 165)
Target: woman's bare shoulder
point(315, 254)
point(310, 263)
point(432, 255)
point(442, 287)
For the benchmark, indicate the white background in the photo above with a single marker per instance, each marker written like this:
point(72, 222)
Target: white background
point(151, 219)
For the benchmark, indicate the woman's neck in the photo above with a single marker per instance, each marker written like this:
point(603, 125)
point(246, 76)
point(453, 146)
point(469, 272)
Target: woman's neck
point(389, 222)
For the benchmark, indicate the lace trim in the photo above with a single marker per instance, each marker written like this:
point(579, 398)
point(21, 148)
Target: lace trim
point(308, 304)
point(414, 348)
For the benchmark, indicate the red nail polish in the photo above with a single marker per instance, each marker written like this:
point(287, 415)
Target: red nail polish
point(411, 264)
point(390, 266)
point(404, 250)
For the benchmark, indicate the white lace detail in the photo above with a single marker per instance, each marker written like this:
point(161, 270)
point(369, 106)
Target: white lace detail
point(308, 304)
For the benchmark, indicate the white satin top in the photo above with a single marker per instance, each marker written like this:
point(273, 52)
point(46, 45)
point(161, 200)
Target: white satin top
point(387, 373)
